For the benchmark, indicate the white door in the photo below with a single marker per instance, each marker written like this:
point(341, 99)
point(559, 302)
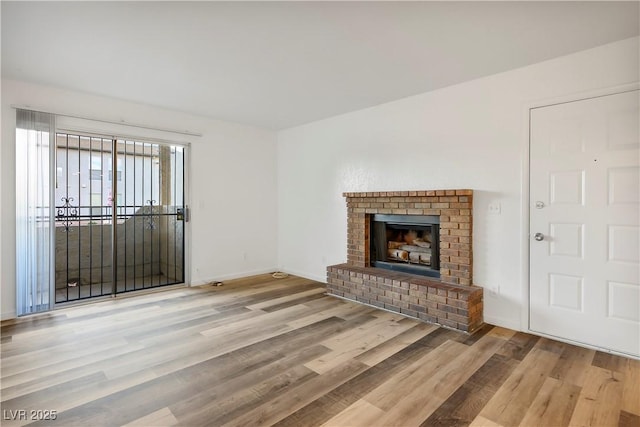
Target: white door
point(584, 203)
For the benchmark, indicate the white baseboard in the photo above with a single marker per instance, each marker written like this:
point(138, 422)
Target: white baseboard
point(502, 322)
point(232, 276)
point(8, 315)
point(305, 275)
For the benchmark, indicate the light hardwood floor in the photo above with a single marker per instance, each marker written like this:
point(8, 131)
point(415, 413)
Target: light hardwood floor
point(263, 351)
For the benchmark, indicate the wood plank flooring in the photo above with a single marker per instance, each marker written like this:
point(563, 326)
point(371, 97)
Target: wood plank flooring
point(264, 351)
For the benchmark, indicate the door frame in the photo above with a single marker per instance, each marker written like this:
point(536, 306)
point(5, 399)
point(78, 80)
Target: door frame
point(525, 323)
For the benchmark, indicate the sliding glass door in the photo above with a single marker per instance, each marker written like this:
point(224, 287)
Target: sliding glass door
point(119, 216)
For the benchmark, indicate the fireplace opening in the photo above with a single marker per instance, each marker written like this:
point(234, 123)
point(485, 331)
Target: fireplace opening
point(408, 243)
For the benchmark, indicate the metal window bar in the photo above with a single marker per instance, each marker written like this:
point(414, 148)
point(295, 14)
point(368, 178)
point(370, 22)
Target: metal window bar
point(90, 211)
point(144, 238)
point(184, 210)
point(135, 148)
point(174, 200)
point(152, 224)
point(67, 225)
point(79, 282)
point(124, 174)
point(101, 220)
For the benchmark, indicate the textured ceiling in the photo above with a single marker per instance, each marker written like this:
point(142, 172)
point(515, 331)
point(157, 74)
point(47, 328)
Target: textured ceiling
point(281, 64)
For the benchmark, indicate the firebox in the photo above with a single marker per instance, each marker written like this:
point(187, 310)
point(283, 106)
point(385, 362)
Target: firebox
point(407, 243)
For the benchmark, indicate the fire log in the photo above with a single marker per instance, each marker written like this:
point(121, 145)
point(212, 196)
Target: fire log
point(395, 245)
point(413, 248)
point(398, 254)
point(419, 257)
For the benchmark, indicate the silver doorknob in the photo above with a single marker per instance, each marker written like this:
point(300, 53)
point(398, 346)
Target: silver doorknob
point(539, 237)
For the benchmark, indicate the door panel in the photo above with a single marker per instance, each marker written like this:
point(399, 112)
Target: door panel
point(584, 200)
point(83, 217)
point(151, 235)
point(567, 187)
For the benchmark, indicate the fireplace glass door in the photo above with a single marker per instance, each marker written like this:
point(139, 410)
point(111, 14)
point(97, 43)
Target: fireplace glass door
point(408, 243)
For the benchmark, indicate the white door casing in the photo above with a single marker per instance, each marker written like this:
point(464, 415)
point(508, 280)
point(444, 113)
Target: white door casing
point(584, 200)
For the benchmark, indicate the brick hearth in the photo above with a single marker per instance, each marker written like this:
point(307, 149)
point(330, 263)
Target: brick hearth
point(454, 306)
point(451, 301)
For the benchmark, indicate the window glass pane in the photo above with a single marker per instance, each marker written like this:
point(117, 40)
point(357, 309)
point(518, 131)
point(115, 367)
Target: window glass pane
point(96, 162)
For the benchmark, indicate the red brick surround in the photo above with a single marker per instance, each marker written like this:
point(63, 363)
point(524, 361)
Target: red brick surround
point(451, 301)
point(454, 208)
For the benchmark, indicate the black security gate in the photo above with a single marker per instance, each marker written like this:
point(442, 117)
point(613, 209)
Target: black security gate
point(120, 216)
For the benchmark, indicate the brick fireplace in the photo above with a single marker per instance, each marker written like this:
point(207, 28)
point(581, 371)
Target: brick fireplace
point(451, 300)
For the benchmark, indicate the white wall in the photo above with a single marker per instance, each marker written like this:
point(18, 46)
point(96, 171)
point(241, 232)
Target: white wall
point(233, 176)
point(465, 136)
point(471, 135)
